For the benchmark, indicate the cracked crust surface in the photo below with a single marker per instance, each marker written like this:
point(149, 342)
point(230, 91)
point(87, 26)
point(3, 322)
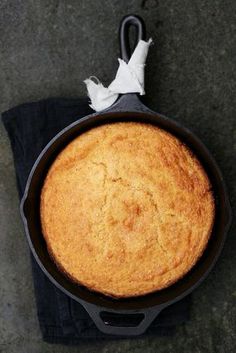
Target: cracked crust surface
point(126, 209)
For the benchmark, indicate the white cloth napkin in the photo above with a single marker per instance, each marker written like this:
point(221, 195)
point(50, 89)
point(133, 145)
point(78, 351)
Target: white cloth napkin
point(129, 79)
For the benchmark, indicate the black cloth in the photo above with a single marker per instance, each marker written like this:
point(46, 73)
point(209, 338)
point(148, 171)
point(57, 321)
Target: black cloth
point(62, 320)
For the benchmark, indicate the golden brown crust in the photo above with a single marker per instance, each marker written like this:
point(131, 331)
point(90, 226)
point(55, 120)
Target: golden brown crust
point(126, 209)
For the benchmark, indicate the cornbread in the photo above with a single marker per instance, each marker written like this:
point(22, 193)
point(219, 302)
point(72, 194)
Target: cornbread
point(126, 209)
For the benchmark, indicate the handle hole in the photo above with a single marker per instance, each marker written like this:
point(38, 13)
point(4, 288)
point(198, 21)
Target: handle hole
point(132, 38)
point(121, 320)
point(132, 28)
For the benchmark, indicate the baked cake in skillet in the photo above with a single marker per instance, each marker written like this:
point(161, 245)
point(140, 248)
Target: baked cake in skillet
point(126, 209)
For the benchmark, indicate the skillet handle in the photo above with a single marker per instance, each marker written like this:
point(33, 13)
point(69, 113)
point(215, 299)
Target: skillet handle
point(129, 101)
point(122, 322)
point(140, 30)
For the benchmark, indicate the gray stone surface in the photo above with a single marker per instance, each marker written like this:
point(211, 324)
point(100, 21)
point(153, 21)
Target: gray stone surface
point(47, 48)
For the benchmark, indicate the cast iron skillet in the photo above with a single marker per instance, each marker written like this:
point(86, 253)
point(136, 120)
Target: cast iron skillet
point(130, 316)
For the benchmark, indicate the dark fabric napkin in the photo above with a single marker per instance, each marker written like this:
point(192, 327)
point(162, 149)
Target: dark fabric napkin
point(62, 320)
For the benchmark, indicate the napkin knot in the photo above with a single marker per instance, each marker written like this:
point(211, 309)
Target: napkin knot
point(129, 79)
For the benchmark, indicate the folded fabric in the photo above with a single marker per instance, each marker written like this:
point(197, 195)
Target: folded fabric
point(63, 320)
point(129, 79)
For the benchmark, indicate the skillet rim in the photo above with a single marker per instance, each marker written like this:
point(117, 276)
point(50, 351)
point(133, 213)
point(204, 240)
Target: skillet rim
point(120, 304)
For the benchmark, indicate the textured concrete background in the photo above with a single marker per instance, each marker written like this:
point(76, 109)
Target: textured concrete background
point(46, 49)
